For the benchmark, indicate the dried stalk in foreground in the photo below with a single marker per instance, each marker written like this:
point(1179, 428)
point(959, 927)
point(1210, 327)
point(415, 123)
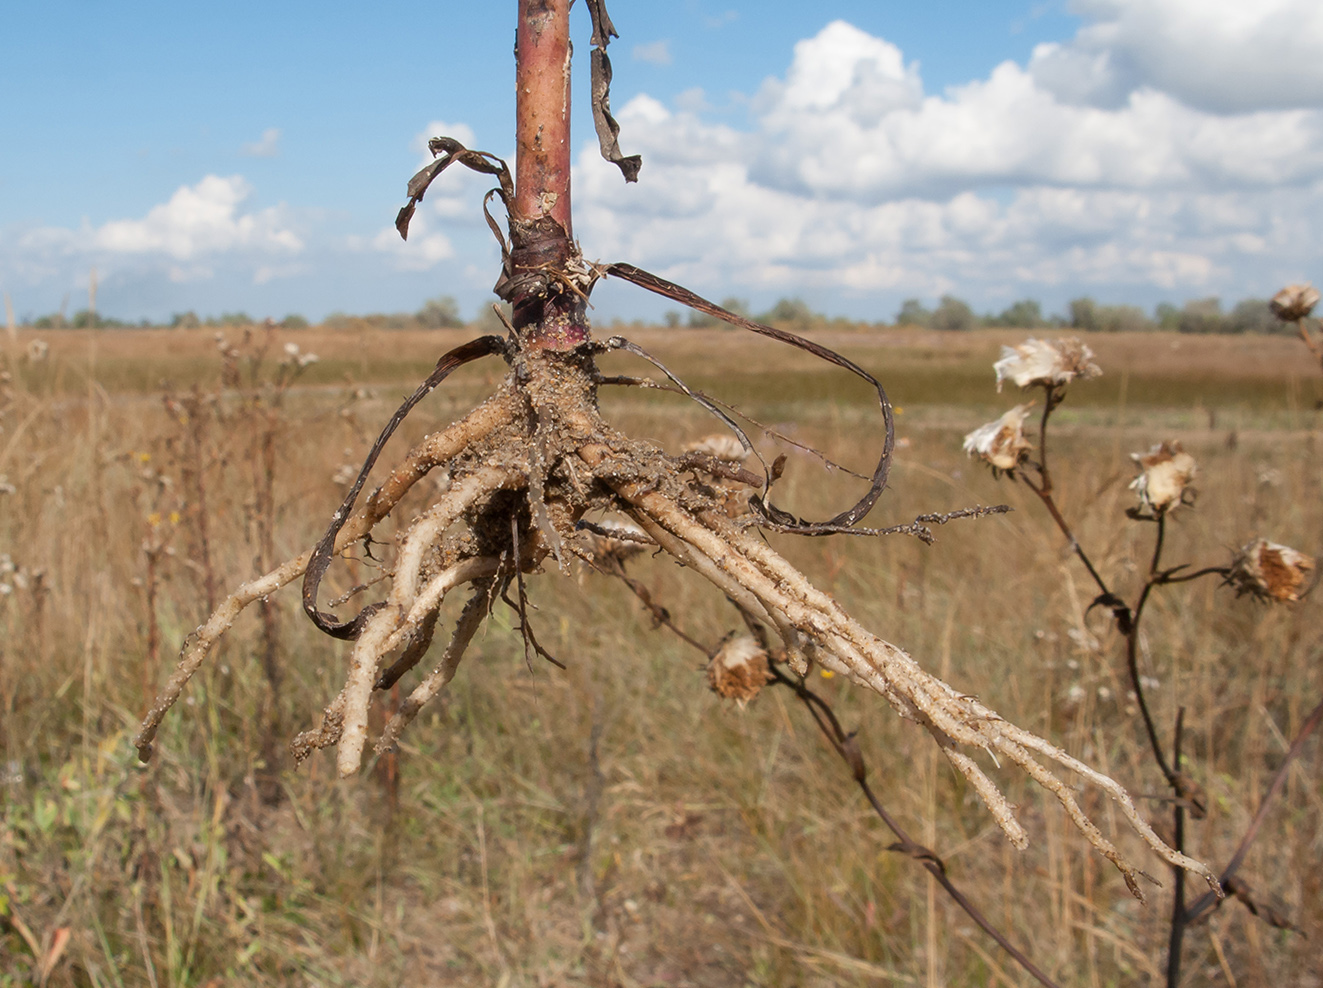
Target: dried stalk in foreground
point(529, 463)
point(1262, 569)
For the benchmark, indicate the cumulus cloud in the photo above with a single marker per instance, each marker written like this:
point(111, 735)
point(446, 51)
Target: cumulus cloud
point(1222, 56)
point(424, 249)
point(851, 176)
point(267, 146)
point(199, 219)
point(201, 233)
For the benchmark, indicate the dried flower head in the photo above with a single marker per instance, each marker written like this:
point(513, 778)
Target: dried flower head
point(1166, 471)
point(1040, 362)
point(1294, 302)
point(739, 670)
point(1001, 443)
point(1270, 571)
point(723, 446)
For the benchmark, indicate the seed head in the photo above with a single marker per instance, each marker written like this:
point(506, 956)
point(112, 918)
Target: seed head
point(720, 445)
point(1270, 571)
point(1166, 471)
point(1294, 302)
point(739, 670)
point(1041, 362)
point(1001, 443)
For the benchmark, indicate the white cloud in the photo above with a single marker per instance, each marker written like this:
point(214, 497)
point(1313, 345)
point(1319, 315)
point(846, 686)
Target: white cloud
point(423, 249)
point(267, 146)
point(200, 219)
point(653, 52)
point(851, 177)
point(1223, 56)
point(202, 233)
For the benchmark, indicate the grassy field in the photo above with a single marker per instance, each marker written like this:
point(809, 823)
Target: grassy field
point(615, 823)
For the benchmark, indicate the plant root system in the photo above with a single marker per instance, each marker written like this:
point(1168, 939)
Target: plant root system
point(522, 470)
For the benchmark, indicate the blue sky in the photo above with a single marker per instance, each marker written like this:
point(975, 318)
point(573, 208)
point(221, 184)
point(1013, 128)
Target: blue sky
point(856, 154)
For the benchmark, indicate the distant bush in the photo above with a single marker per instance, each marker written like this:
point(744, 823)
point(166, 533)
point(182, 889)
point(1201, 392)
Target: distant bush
point(440, 313)
point(1024, 314)
point(294, 321)
point(337, 320)
point(1252, 315)
point(1123, 319)
point(1167, 316)
point(1083, 313)
point(185, 320)
point(791, 310)
point(914, 313)
point(1202, 316)
point(952, 314)
point(1088, 315)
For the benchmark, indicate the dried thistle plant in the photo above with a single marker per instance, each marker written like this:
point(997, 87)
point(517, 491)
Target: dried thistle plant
point(532, 461)
point(1263, 569)
point(1293, 304)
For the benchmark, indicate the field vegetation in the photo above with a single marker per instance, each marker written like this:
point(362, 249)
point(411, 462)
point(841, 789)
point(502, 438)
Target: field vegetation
point(615, 823)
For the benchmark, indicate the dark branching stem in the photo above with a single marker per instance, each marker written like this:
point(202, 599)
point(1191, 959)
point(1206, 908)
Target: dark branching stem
point(1053, 396)
point(1179, 916)
point(1128, 621)
point(1208, 902)
point(846, 745)
point(1132, 662)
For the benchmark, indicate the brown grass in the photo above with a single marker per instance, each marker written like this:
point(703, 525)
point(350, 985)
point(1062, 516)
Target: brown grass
point(723, 847)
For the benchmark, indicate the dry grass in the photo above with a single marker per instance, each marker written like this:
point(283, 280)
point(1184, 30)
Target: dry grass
point(721, 847)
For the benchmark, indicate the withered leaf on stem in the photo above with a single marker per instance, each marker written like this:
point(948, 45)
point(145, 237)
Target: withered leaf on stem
point(608, 130)
point(450, 151)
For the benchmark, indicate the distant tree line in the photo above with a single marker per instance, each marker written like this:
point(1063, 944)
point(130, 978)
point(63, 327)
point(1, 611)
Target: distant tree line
point(1206, 315)
point(952, 314)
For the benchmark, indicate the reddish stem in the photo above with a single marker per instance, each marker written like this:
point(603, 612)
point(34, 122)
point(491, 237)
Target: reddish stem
point(542, 115)
point(548, 313)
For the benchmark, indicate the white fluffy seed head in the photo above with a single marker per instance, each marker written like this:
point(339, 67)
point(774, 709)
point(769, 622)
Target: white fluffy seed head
point(1001, 443)
point(1035, 362)
point(1166, 472)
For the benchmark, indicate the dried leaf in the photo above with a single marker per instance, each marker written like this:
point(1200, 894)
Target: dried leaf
point(608, 130)
point(450, 151)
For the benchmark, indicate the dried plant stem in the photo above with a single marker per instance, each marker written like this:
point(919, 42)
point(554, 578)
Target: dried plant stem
point(1132, 657)
point(847, 746)
point(1179, 916)
point(1045, 491)
point(1207, 901)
